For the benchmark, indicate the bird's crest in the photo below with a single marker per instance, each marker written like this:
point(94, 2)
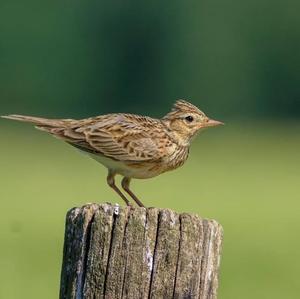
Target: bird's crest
point(182, 106)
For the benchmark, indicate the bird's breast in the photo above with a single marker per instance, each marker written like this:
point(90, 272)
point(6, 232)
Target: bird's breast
point(176, 157)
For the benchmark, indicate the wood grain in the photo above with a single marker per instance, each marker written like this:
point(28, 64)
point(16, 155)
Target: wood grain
point(131, 253)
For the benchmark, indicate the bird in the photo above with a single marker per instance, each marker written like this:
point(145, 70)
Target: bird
point(133, 146)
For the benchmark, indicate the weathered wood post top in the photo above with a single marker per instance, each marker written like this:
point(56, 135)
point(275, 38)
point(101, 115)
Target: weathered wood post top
point(119, 252)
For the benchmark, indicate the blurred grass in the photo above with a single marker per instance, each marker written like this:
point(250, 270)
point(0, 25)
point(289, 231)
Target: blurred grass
point(246, 176)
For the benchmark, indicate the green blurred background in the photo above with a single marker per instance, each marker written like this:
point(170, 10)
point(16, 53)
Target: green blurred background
point(239, 61)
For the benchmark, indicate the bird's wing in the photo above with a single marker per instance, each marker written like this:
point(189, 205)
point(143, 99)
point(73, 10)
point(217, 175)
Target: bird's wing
point(115, 136)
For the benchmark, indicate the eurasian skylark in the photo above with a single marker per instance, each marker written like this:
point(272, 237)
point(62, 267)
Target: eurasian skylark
point(133, 146)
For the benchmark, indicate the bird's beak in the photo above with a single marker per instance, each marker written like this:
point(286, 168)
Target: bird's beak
point(212, 123)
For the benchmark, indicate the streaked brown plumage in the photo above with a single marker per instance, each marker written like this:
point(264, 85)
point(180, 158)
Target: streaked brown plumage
point(131, 145)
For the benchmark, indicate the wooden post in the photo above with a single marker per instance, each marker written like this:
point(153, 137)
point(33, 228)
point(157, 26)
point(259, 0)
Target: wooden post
point(114, 252)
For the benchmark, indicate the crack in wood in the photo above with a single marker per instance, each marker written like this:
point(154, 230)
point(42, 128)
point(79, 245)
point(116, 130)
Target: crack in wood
point(179, 248)
point(86, 248)
point(115, 215)
point(123, 249)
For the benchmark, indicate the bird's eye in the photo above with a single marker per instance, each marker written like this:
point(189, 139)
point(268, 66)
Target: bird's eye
point(189, 119)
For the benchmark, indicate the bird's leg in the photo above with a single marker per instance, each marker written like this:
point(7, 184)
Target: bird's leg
point(111, 183)
point(125, 185)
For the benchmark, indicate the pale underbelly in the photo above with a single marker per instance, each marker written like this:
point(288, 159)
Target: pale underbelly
point(138, 170)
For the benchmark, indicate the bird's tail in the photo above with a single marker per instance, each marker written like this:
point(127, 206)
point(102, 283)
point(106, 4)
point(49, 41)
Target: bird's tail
point(39, 121)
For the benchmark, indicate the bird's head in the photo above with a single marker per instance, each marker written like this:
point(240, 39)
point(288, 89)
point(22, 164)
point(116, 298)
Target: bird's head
point(186, 120)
